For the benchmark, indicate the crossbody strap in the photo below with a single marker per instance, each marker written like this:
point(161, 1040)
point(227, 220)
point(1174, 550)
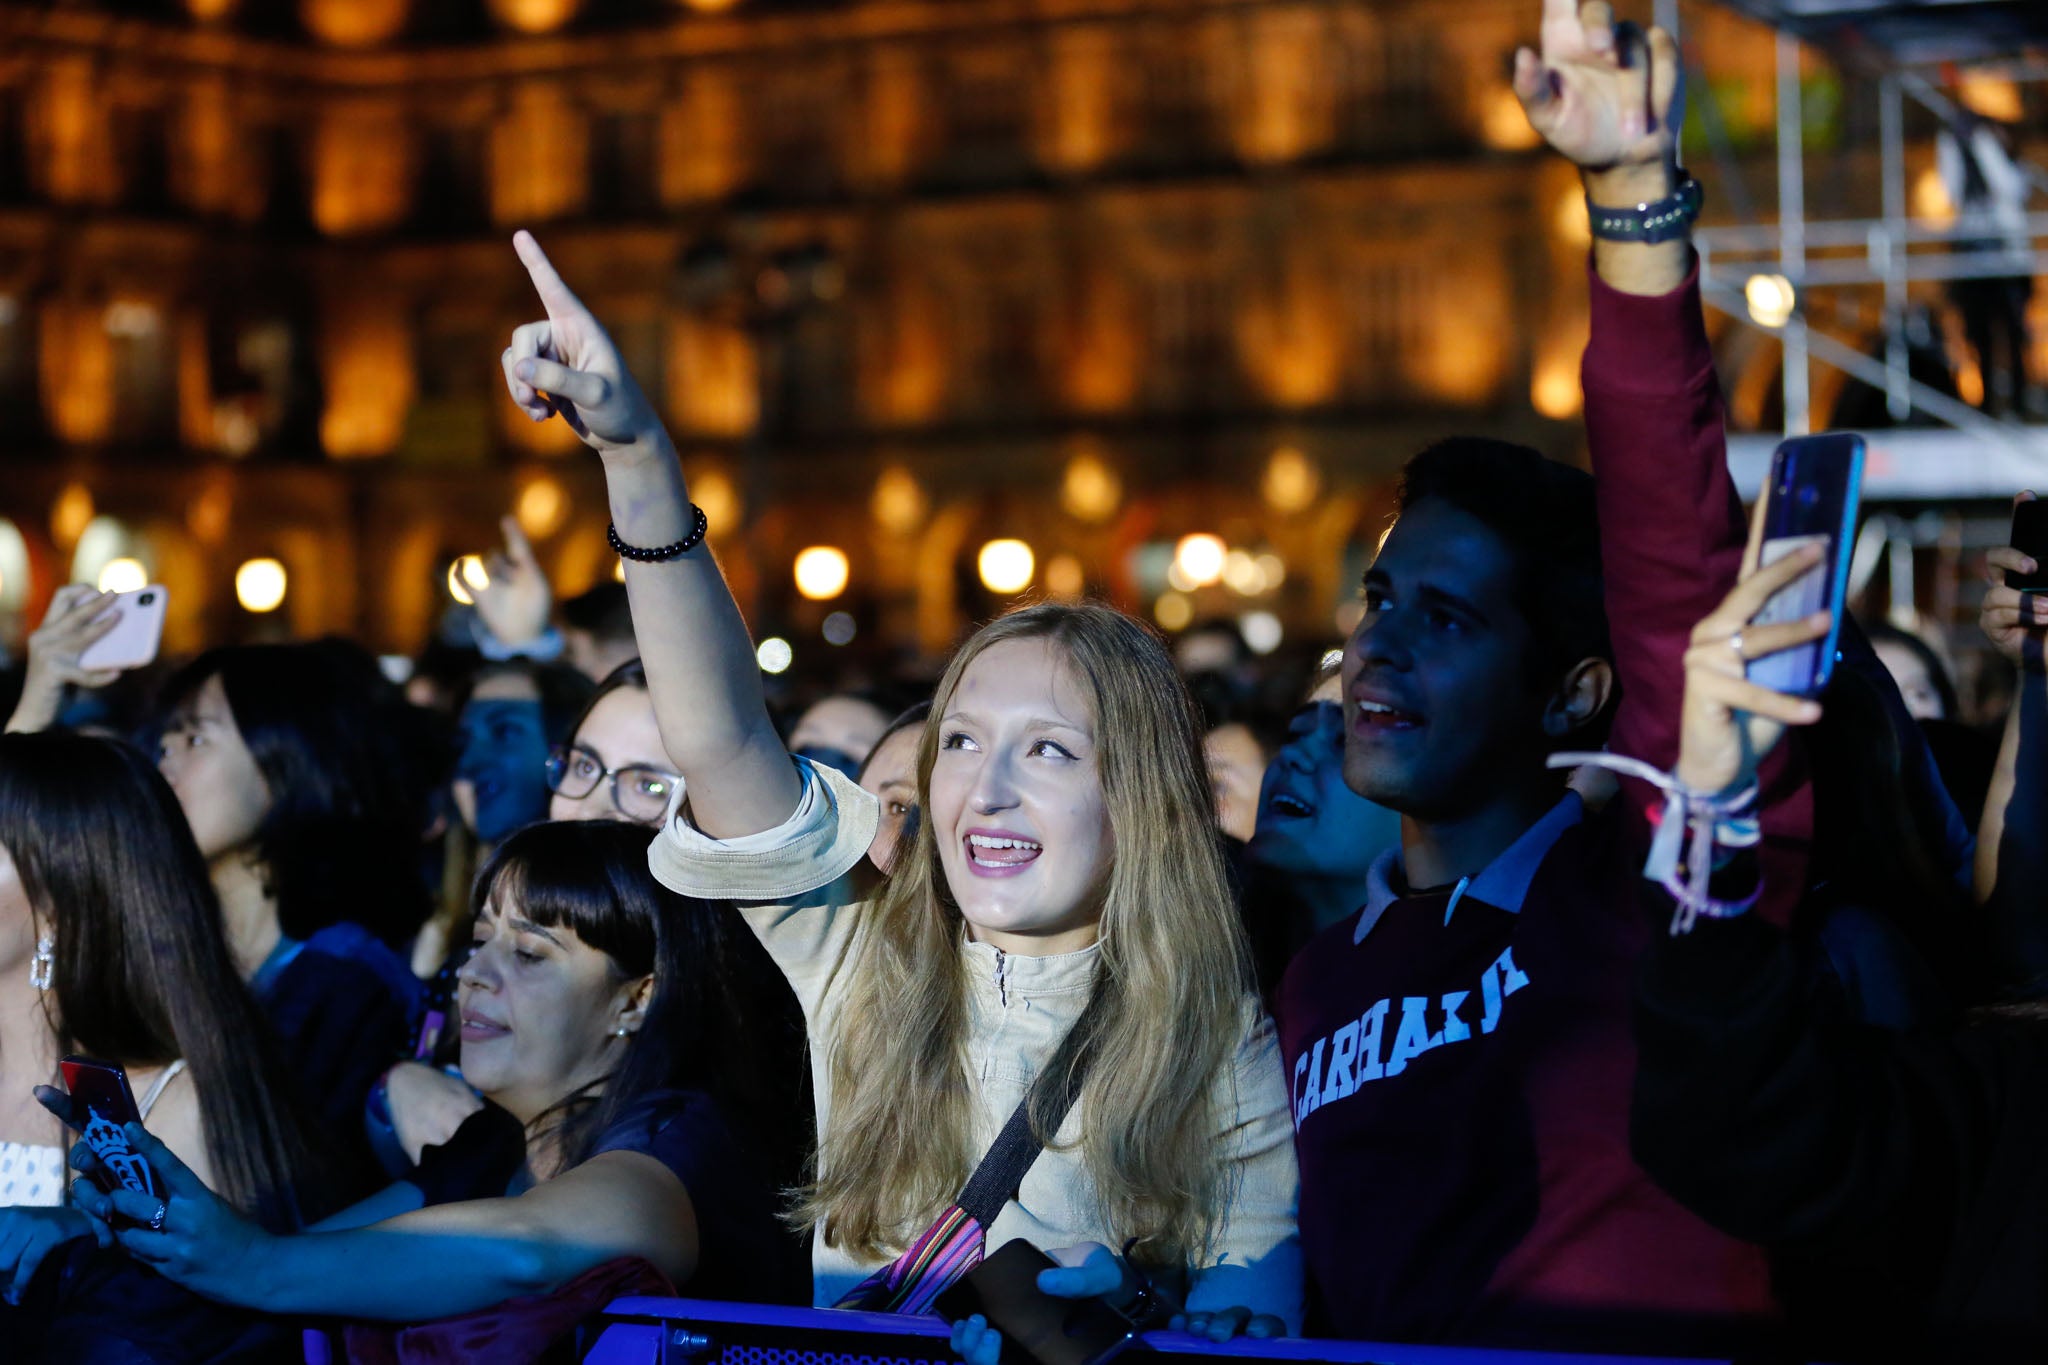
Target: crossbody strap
point(996, 1180)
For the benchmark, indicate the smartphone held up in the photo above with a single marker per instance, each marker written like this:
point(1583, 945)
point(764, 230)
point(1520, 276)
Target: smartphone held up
point(137, 632)
point(1812, 499)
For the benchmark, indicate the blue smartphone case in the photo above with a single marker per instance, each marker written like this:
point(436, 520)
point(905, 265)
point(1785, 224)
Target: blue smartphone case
point(1815, 491)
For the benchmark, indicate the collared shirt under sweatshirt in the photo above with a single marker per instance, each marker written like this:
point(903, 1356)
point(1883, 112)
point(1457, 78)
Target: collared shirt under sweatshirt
point(1459, 1059)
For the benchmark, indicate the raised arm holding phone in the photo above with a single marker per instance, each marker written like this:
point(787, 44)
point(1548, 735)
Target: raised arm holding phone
point(79, 617)
point(1906, 1162)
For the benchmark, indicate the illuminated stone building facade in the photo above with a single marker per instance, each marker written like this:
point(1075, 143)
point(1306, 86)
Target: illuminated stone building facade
point(908, 275)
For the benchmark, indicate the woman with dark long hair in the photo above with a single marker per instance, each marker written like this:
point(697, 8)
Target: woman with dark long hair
point(111, 945)
point(612, 1020)
point(295, 771)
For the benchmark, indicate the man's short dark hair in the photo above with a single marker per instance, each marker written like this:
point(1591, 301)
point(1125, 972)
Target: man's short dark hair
point(601, 612)
point(1543, 512)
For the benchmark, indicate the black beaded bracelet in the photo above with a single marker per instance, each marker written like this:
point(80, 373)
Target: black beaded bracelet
point(660, 553)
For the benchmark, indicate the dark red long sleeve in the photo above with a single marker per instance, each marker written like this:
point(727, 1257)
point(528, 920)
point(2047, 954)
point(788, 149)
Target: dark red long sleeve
point(1671, 538)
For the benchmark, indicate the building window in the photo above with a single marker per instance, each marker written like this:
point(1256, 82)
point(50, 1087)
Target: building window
point(622, 165)
point(453, 197)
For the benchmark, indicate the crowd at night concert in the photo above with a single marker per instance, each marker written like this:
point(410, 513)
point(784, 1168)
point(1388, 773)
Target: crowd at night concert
point(1549, 970)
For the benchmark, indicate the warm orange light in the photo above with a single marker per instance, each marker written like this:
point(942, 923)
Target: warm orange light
point(533, 16)
point(1931, 203)
point(1173, 611)
point(466, 578)
point(1554, 388)
point(361, 157)
point(71, 514)
point(1771, 300)
point(1102, 352)
point(821, 572)
point(207, 516)
point(1993, 96)
point(1291, 481)
point(1568, 219)
point(211, 157)
point(1064, 577)
point(260, 585)
point(1199, 557)
point(71, 131)
point(1288, 107)
point(125, 574)
point(539, 155)
point(77, 371)
point(542, 508)
point(899, 502)
point(1242, 575)
point(1090, 489)
point(713, 379)
point(700, 147)
point(353, 23)
point(1970, 383)
point(717, 497)
point(1290, 339)
point(907, 380)
point(364, 349)
point(1006, 565)
point(1076, 134)
point(1502, 124)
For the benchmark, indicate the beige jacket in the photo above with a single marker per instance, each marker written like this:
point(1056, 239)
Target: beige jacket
point(1018, 1010)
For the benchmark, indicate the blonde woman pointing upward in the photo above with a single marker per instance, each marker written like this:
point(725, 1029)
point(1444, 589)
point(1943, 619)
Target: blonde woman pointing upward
point(1057, 945)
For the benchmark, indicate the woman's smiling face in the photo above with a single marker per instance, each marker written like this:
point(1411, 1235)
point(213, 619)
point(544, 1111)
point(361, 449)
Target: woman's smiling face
point(1016, 802)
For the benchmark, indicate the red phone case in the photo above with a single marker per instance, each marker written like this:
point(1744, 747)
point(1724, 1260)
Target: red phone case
point(100, 1090)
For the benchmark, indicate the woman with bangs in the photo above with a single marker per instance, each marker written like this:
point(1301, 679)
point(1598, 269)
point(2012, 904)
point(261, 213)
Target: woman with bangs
point(609, 1025)
point(1057, 942)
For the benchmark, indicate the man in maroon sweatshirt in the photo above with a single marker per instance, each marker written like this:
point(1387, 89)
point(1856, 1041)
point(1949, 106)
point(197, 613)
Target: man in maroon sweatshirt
point(1459, 1052)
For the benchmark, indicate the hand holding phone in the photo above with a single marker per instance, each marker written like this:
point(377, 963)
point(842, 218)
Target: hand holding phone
point(101, 1106)
point(2014, 612)
point(2030, 538)
point(1037, 1328)
point(137, 631)
point(1812, 499)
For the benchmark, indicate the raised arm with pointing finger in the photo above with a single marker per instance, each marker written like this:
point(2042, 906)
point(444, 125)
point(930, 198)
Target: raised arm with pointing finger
point(700, 664)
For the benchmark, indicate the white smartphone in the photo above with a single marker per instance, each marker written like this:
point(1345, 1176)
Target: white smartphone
point(134, 639)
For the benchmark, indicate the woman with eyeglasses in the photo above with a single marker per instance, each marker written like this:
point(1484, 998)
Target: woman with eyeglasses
point(609, 766)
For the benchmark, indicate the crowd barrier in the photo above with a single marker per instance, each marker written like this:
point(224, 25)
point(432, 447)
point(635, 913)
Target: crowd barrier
point(642, 1331)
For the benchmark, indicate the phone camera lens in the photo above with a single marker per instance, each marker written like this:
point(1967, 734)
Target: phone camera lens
point(147, 599)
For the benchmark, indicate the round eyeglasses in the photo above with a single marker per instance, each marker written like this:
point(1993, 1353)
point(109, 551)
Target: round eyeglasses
point(638, 792)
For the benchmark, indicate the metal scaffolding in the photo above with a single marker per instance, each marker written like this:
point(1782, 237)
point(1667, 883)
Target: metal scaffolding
point(1896, 43)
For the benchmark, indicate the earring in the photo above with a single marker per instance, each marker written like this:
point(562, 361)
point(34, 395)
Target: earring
point(622, 1032)
point(39, 967)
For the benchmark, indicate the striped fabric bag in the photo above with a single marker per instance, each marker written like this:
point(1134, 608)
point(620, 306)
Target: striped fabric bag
point(954, 1244)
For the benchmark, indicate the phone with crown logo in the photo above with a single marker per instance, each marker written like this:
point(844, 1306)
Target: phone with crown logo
point(101, 1104)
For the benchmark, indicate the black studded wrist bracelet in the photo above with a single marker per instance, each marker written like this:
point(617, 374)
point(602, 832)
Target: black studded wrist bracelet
point(1657, 221)
point(641, 554)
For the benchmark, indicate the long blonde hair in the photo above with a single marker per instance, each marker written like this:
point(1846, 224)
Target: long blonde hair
point(1168, 1008)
